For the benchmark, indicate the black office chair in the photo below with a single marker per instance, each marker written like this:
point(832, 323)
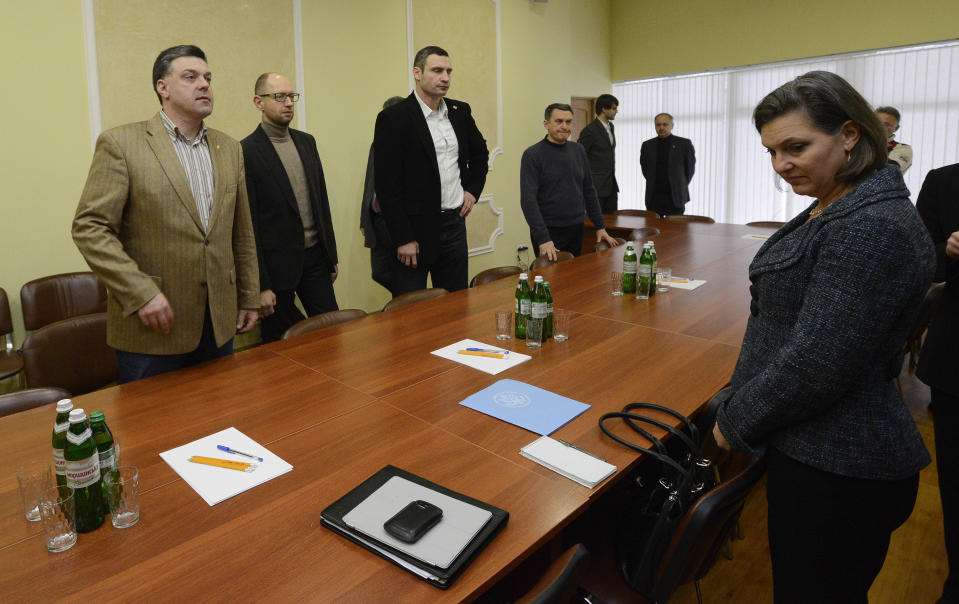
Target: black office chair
point(559, 582)
point(705, 529)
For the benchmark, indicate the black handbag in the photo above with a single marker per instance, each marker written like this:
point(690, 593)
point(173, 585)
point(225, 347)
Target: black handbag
point(660, 495)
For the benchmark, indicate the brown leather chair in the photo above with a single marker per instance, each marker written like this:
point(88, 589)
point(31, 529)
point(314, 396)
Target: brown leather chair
point(766, 223)
point(645, 213)
point(927, 311)
point(494, 274)
point(22, 400)
point(414, 297)
point(602, 245)
point(542, 261)
point(644, 233)
point(71, 354)
point(690, 218)
point(326, 319)
point(10, 362)
point(59, 297)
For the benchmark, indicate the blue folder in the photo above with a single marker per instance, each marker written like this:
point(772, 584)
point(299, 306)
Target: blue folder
point(535, 409)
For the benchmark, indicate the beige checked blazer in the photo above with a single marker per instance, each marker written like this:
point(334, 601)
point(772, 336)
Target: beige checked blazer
point(138, 228)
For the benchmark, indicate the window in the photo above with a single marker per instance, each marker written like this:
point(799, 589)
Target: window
point(734, 181)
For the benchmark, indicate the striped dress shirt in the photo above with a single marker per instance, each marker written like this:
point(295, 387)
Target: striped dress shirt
point(195, 157)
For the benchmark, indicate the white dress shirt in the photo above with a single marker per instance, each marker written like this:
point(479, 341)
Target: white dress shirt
point(447, 153)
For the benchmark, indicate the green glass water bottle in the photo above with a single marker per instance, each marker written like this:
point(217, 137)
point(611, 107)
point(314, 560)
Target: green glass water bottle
point(652, 280)
point(83, 472)
point(548, 326)
point(60, 427)
point(523, 302)
point(645, 274)
point(103, 439)
point(629, 269)
point(538, 310)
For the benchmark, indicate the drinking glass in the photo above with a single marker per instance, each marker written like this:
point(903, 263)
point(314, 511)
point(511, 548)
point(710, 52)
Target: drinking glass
point(616, 283)
point(642, 288)
point(560, 325)
point(123, 495)
point(662, 279)
point(33, 478)
point(534, 332)
point(58, 517)
point(504, 324)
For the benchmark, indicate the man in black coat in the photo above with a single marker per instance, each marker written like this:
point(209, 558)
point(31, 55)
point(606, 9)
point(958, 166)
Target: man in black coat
point(938, 204)
point(291, 212)
point(668, 163)
point(431, 164)
point(599, 140)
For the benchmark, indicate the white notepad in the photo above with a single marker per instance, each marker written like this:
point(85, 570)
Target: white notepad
point(572, 463)
point(490, 365)
point(441, 545)
point(215, 484)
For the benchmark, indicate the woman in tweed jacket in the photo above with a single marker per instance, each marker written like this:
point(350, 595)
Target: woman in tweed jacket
point(834, 294)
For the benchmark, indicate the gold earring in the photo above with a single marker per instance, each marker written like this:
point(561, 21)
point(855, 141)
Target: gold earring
point(848, 157)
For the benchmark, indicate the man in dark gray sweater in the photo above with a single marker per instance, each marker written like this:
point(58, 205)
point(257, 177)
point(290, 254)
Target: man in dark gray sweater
point(556, 189)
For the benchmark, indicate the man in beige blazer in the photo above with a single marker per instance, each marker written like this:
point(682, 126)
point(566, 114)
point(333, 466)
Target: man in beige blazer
point(165, 223)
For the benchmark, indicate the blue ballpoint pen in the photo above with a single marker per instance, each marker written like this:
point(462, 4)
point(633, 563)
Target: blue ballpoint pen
point(234, 451)
point(491, 350)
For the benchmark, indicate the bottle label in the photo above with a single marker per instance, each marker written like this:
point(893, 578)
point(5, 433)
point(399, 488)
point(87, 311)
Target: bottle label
point(83, 472)
point(108, 460)
point(79, 438)
point(539, 310)
point(524, 306)
point(629, 266)
point(59, 464)
point(645, 270)
point(549, 308)
point(60, 428)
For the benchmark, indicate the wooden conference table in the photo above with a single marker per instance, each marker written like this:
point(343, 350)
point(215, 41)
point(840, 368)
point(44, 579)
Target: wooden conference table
point(341, 403)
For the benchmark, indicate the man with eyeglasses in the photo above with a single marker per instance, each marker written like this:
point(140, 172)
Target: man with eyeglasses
point(164, 222)
point(291, 212)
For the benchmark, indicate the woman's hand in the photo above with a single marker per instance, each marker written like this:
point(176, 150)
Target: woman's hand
point(720, 439)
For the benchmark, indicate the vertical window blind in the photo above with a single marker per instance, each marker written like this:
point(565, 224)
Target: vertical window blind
point(734, 180)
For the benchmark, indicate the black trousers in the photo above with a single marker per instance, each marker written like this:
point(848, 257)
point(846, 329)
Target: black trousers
point(662, 204)
point(450, 270)
point(945, 417)
point(315, 291)
point(566, 239)
point(136, 366)
point(829, 534)
point(609, 203)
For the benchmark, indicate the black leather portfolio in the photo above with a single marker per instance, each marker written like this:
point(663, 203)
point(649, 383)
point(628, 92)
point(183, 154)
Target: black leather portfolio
point(332, 518)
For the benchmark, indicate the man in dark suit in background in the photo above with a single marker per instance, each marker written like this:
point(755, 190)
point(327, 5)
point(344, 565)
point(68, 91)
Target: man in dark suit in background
point(938, 204)
point(375, 235)
point(599, 140)
point(431, 164)
point(668, 163)
point(291, 212)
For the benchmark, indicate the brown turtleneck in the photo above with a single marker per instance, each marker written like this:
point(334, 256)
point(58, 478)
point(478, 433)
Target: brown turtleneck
point(290, 158)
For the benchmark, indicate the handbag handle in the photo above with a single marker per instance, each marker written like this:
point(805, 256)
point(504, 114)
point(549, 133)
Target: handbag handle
point(663, 458)
point(690, 424)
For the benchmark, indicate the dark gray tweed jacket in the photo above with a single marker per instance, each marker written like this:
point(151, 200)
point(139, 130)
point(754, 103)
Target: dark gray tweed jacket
point(832, 302)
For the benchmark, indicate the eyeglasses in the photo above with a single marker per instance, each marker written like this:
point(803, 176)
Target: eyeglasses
point(280, 97)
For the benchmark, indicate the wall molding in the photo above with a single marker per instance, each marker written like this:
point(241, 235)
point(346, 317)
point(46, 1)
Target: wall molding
point(487, 200)
point(93, 71)
point(298, 61)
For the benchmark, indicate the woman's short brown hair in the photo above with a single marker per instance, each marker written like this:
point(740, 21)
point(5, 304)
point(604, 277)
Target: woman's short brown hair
point(829, 102)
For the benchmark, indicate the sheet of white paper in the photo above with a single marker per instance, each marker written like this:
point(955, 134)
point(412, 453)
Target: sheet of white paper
point(215, 484)
point(441, 544)
point(759, 237)
point(490, 365)
point(572, 463)
point(685, 283)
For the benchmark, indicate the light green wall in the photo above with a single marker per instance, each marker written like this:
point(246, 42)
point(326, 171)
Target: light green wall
point(654, 38)
point(355, 56)
point(46, 146)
